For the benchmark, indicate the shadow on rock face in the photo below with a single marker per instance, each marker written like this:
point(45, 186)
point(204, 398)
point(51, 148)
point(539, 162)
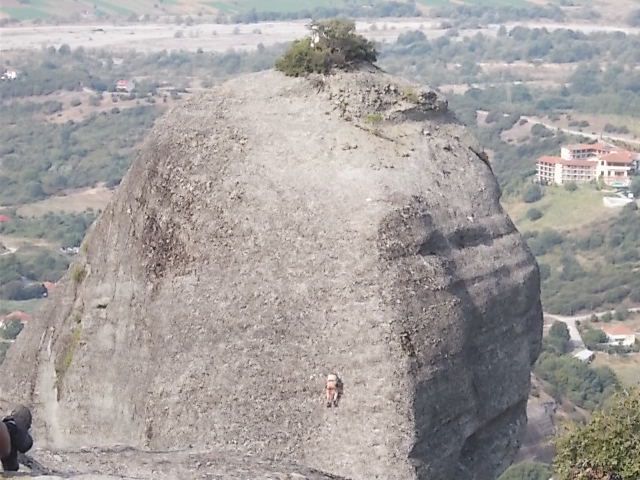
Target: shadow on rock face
point(463, 342)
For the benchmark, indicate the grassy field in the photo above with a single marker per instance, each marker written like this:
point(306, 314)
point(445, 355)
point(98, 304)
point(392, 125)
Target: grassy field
point(562, 210)
point(626, 367)
point(122, 8)
point(125, 8)
point(74, 202)
point(29, 306)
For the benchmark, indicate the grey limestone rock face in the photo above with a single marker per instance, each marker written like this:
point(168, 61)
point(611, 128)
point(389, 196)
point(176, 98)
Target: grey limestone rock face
point(275, 230)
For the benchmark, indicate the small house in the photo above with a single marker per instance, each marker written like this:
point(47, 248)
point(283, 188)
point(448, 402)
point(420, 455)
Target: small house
point(585, 355)
point(9, 75)
point(619, 335)
point(126, 86)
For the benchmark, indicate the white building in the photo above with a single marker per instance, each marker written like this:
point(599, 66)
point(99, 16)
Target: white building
point(615, 167)
point(619, 335)
point(585, 355)
point(586, 162)
point(581, 151)
point(558, 170)
point(9, 75)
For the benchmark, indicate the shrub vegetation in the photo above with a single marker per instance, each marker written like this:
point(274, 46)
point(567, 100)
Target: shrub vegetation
point(333, 44)
point(607, 447)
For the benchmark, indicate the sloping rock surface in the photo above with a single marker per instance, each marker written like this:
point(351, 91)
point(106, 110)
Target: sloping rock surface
point(275, 230)
point(120, 462)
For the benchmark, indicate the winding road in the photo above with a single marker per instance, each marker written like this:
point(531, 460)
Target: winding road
point(592, 136)
point(570, 321)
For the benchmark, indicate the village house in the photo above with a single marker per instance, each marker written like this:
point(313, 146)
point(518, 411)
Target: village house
point(9, 75)
point(585, 355)
point(583, 163)
point(125, 86)
point(19, 315)
point(619, 335)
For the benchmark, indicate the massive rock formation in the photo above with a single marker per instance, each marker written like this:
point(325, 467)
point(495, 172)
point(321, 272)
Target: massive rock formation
point(274, 230)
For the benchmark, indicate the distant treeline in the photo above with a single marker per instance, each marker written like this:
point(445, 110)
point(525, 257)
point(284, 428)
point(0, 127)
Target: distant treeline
point(464, 16)
point(377, 9)
point(596, 270)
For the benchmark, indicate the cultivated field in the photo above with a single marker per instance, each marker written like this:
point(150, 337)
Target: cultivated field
point(562, 210)
point(73, 202)
point(208, 37)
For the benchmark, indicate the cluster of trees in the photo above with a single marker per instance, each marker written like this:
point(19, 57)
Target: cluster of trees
point(587, 387)
point(51, 69)
point(337, 46)
point(67, 229)
point(595, 270)
point(353, 10)
point(605, 448)
point(592, 88)
point(470, 16)
point(22, 272)
point(11, 329)
point(70, 155)
point(558, 340)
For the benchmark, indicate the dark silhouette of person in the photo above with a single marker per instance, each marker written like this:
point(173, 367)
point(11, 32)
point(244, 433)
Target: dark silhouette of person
point(15, 437)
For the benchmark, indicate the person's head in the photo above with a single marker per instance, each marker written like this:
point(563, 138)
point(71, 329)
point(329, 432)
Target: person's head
point(22, 416)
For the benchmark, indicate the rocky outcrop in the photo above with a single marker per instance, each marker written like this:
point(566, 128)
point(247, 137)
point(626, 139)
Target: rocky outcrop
point(275, 230)
point(120, 462)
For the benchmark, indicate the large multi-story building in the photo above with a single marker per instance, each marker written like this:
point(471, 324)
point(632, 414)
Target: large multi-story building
point(586, 162)
point(582, 151)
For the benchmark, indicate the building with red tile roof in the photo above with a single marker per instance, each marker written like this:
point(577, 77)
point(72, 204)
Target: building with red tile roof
point(587, 162)
point(620, 334)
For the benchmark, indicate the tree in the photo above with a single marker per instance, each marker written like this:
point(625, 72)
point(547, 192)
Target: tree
point(607, 447)
point(570, 186)
point(533, 193)
point(534, 214)
point(635, 187)
point(583, 385)
point(558, 339)
point(560, 330)
point(333, 44)
point(11, 329)
point(621, 313)
point(592, 337)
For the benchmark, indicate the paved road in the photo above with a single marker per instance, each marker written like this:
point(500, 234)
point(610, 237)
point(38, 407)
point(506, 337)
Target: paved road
point(592, 136)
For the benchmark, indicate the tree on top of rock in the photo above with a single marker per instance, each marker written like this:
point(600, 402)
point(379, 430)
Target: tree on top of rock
point(332, 44)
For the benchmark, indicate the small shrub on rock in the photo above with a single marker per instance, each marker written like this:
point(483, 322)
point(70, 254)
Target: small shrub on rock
point(332, 44)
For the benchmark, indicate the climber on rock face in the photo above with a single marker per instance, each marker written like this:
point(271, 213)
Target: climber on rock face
point(15, 437)
point(333, 390)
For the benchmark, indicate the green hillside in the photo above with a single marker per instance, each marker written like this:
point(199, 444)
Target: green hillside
point(33, 9)
point(90, 9)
